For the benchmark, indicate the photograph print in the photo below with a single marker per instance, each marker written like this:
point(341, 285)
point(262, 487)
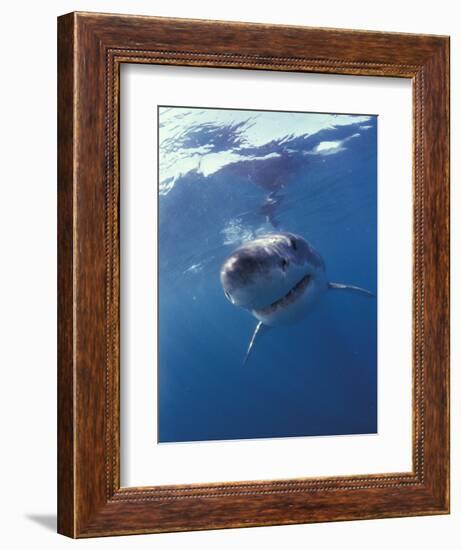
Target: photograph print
point(267, 264)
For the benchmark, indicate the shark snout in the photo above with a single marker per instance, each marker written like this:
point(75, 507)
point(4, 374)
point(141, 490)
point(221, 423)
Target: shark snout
point(253, 279)
point(241, 274)
point(233, 280)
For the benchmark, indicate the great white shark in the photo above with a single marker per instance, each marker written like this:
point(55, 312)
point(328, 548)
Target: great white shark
point(278, 278)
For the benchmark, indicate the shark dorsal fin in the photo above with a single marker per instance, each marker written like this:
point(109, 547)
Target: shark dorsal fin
point(259, 328)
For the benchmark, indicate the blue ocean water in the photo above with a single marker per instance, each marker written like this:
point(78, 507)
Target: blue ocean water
point(226, 176)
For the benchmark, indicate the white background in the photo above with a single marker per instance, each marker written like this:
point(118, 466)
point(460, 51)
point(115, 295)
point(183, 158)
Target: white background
point(28, 273)
point(142, 88)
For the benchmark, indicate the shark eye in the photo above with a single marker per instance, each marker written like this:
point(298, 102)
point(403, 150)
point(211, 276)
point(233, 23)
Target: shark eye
point(293, 243)
point(284, 263)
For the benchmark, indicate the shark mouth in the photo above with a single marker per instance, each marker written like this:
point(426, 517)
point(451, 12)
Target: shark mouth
point(288, 299)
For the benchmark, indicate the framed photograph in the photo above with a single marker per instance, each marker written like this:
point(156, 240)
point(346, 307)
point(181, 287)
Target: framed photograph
point(253, 258)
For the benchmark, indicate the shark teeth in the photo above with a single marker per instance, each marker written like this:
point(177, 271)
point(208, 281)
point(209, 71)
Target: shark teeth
point(289, 298)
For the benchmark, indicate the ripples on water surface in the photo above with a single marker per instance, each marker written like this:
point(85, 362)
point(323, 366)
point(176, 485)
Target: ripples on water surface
point(226, 176)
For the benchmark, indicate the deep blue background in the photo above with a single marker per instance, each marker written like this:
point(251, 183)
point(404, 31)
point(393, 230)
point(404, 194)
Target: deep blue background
point(317, 377)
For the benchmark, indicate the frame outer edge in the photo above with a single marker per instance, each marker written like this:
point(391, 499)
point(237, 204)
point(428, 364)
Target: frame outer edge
point(86, 508)
point(66, 524)
point(437, 264)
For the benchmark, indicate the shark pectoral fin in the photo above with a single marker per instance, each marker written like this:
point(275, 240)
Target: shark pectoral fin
point(259, 328)
point(341, 286)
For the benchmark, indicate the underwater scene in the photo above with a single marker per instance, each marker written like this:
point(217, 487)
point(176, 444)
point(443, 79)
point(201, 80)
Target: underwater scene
point(267, 269)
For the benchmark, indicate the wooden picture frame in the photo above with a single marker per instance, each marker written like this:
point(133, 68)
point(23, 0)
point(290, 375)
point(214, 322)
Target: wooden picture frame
point(91, 48)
